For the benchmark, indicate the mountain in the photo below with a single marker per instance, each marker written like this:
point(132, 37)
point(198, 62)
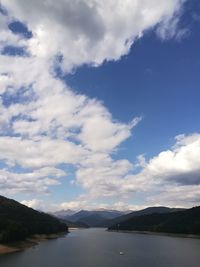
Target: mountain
point(63, 213)
point(93, 218)
point(180, 222)
point(78, 215)
point(18, 221)
point(104, 217)
point(63, 216)
point(146, 211)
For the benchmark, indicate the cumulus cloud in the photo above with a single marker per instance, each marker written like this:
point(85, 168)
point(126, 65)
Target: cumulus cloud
point(171, 177)
point(181, 161)
point(104, 179)
point(39, 153)
point(37, 181)
point(91, 31)
point(177, 196)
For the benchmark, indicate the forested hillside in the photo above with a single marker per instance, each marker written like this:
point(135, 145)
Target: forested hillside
point(18, 221)
point(180, 222)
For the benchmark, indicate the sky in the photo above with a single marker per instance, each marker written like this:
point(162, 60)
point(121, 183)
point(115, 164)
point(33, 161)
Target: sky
point(99, 103)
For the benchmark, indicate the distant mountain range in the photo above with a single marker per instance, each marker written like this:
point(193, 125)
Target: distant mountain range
point(63, 213)
point(185, 221)
point(18, 221)
point(96, 218)
point(105, 218)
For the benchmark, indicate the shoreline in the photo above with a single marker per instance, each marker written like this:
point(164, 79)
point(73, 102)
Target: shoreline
point(157, 233)
point(32, 241)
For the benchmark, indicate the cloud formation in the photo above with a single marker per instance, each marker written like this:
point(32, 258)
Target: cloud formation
point(92, 31)
point(37, 181)
point(173, 170)
point(44, 123)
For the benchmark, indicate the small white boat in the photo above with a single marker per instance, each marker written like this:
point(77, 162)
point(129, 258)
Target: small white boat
point(121, 253)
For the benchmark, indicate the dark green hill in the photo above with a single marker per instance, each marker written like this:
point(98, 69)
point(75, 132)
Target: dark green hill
point(18, 221)
point(147, 211)
point(180, 222)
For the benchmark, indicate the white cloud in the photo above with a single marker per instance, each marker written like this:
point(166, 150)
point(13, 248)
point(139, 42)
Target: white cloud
point(177, 196)
point(104, 178)
point(163, 178)
point(99, 134)
point(33, 203)
point(72, 205)
point(37, 181)
point(42, 153)
point(182, 160)
point(91, 31)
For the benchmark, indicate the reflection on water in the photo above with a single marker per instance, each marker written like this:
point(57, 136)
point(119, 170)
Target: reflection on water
point(99, 248)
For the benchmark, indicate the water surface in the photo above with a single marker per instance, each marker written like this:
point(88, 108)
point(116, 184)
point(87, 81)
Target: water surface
point(99, 248)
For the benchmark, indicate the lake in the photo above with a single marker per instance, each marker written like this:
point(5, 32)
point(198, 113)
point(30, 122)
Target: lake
point(99, 248)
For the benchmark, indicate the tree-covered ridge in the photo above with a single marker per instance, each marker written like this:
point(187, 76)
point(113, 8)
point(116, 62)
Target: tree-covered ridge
point(18, 221)
point(180, 222)
point(146, 211)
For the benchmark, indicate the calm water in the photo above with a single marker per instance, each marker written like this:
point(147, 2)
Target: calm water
point(98, 248)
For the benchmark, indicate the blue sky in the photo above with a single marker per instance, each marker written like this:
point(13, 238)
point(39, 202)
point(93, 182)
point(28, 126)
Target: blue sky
point(97, 110)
